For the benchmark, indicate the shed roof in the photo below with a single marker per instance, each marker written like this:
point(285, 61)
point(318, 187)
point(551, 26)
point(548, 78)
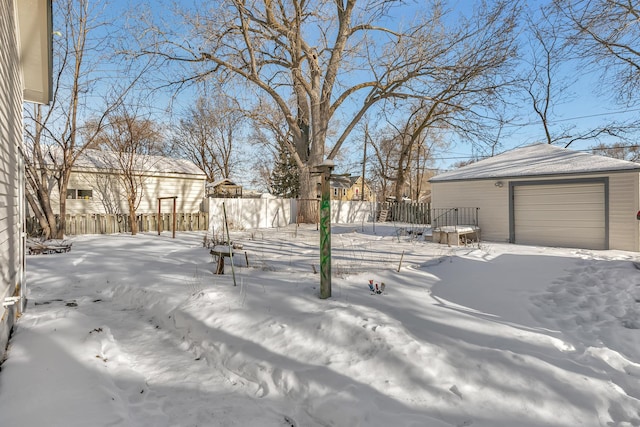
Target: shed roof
point(102, 159)
point(537, 160)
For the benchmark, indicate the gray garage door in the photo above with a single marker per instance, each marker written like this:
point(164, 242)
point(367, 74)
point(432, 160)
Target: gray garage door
point(567, 215)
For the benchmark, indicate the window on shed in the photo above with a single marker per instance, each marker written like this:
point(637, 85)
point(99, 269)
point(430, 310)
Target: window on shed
point(85, 194)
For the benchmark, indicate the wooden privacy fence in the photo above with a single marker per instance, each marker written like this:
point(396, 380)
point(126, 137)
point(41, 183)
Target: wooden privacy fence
point(244, 214)
point(119, 223)
point(413, 213)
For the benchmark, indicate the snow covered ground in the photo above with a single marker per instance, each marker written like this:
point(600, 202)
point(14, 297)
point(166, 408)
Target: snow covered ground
point(137, 331)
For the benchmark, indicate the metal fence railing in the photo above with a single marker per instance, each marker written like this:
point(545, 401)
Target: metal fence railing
point(442, 217)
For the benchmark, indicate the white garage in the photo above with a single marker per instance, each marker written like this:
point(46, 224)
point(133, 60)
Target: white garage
point(548, 196)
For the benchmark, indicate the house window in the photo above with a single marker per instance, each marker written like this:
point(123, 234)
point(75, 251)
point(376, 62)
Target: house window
point(344, 191)
point(71, 194)
point(335, 192)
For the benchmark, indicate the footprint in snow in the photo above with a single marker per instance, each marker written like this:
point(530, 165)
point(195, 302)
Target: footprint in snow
point(454, 389)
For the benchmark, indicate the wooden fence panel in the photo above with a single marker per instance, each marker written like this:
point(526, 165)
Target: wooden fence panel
point(116, 223)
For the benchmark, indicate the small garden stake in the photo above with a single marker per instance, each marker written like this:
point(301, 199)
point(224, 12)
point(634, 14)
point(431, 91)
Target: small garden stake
point(226, 224)
point(400, 265)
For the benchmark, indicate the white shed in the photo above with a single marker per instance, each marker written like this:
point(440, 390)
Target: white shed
point(95, 187)
point(549, 196)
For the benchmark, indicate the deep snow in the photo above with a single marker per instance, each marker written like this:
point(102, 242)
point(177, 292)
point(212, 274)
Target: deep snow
point(137, 331)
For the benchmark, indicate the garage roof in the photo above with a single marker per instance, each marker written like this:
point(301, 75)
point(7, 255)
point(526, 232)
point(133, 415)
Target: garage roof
point(537, 160)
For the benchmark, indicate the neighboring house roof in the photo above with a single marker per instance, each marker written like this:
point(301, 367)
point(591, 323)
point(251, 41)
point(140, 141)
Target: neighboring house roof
point(343, 181)
point(99, 159)
point(340, 182)
point(224, 187)
point(537, 160)
point(224, 181)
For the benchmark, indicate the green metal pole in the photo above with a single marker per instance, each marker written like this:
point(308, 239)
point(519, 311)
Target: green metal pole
point(325, 235)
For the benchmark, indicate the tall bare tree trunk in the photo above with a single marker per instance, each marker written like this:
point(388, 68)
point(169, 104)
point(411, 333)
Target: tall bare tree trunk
point(133, 219)
point(308, 206)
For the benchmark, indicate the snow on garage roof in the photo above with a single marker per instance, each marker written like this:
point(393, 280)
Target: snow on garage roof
point(537, 160)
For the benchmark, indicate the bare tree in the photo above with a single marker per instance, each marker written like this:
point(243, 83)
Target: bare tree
point(108, 191)
point(607, 33)
point(423, 166)
point(458, 105)
point(271, 139)
point(132, 142)
point(401, 148)
point(54, 134)
point(463, 163)
point(401, 158)
point(618, 150)
point(313, 59)
point(383, 164)
point(551, 44)
point(208, 135)
point(543, 82)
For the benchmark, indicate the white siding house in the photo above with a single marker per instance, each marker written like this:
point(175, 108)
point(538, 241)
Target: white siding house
point(94, 185)
point(551, 196)
point(25, 64)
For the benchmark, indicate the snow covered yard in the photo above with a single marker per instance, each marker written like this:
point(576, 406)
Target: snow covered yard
point(137, 331)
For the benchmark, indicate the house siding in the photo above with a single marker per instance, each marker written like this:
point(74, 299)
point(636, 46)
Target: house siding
point(11, 266)
point(624, 203)
point(493, 217)
point(624, 228)
point(351, 191)
point(190, 192)
point(188, 188)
